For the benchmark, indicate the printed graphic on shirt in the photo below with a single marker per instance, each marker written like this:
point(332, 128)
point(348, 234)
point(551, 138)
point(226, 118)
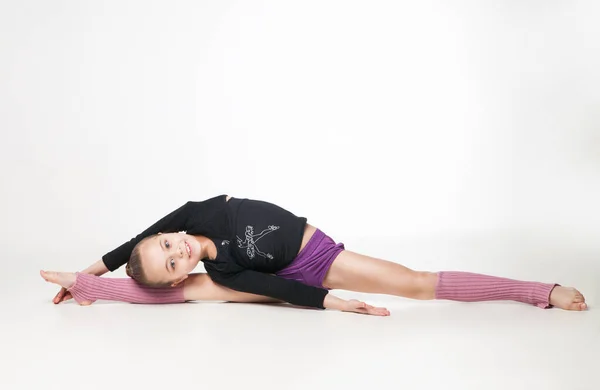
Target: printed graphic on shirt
point(250, 242)
point(225, 242)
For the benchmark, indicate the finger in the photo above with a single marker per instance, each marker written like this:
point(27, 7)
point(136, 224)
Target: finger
point(379, 311)
point(59, 296)
point(67, 296)
point(372, 313)
point(362, 310)
point(60, 293)
point(373, 308)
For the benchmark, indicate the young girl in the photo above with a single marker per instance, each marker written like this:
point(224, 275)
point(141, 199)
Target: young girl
point(257, 251)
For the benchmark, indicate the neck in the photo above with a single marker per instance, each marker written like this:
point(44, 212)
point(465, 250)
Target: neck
point(208, 249)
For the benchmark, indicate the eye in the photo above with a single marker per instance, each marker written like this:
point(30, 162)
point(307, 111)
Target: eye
point(172, 263)
point(166, 244)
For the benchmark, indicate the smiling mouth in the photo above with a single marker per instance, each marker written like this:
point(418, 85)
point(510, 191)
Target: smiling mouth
point(188, 249)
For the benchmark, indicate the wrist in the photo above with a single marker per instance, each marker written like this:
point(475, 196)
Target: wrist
point(333, 302)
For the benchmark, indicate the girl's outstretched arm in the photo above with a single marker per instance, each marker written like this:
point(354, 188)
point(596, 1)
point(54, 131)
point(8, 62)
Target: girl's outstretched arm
point(200, 287)
point(87, 288)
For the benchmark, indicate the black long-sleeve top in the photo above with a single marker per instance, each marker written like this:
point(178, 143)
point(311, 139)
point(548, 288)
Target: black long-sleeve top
point(254, 240)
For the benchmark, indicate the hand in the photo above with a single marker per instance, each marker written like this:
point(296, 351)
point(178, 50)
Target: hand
point(63, 295)
point(356, 306)
point(353, 305)
point(64, 279)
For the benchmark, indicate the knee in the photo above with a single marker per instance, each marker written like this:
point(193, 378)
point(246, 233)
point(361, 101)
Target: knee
point(426, 282)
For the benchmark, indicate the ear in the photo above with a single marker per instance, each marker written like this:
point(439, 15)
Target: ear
point(159, 233)
point(175, 283)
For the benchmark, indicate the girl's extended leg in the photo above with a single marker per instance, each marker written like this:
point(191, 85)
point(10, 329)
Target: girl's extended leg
point(88, 288)
point(355, 272)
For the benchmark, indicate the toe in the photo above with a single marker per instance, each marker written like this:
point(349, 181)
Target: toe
point(49, 276)
point(46, 275)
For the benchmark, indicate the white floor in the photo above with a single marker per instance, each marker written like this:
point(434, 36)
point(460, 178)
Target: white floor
point(422, 345)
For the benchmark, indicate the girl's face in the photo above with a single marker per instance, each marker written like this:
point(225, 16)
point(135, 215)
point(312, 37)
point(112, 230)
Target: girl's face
point(170, 257)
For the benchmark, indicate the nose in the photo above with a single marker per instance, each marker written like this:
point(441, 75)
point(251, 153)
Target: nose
point(178, 251)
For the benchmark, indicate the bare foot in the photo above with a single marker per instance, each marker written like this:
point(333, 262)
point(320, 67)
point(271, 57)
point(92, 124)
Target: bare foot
point(567, 298)
point(63, 279)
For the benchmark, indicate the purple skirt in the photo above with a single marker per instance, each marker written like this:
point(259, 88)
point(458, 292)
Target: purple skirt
point(313, 261)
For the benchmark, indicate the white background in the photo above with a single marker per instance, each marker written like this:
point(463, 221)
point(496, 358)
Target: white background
point(441, 135)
